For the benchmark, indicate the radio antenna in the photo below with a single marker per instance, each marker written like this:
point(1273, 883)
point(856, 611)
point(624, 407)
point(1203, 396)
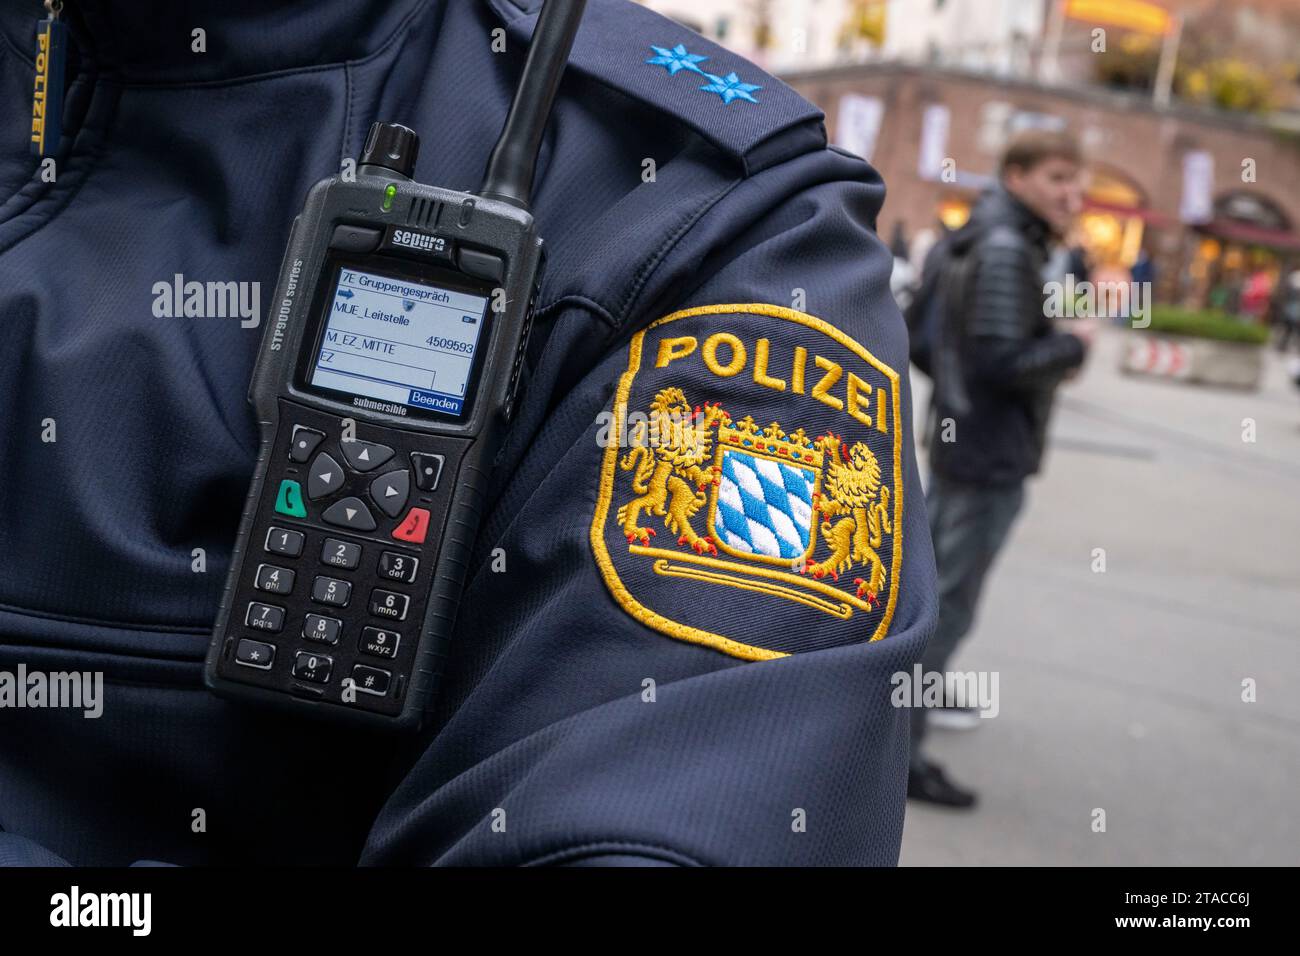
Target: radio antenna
point(509, 175)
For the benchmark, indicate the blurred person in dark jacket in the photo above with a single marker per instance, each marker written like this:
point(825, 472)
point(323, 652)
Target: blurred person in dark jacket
point(1286, 308)
point(997, 362)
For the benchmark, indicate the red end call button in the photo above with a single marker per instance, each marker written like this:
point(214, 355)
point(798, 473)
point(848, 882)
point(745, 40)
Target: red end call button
point(413, 527)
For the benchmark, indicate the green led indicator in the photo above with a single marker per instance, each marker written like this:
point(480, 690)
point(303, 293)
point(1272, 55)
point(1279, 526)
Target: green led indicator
point(389, 192)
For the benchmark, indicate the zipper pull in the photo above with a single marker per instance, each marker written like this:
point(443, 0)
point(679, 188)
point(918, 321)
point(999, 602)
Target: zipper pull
point(47, 91)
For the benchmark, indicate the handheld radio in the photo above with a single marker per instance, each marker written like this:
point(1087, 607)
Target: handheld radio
point(383, 387)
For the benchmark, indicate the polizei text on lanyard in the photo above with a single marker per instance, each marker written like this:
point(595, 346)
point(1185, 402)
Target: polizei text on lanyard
point(47, 89)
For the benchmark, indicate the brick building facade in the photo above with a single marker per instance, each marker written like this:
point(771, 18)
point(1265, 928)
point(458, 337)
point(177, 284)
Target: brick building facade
point(1210, 197)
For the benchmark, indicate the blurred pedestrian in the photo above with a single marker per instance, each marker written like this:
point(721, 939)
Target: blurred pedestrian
point(1286, 309)
point(996, 361)
point(1226, 294)
point(902, 278)
point(1144, 269)
point(1078, 262)
point(1256, 294)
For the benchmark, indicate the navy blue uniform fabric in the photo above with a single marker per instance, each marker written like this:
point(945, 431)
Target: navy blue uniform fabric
point(543, 748)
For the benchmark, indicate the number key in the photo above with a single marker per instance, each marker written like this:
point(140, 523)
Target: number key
point(398, 567)
point(380, 643)
point(313, 667)
point(273, 579)
point(322, 629)
point(264, 617)
point(284, 541)
point(389, 604)
point(331, 591)
point(340, 554)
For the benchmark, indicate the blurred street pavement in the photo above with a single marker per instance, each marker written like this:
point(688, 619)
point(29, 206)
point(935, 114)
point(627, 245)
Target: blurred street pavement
point(1122, 690)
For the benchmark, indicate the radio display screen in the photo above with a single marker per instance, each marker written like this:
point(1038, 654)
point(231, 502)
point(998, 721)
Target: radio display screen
point(398, 340)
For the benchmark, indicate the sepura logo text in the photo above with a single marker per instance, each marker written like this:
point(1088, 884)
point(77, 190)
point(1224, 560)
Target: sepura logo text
point(418, 240)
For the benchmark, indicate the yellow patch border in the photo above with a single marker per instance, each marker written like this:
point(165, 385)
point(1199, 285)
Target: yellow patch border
point(608, 470)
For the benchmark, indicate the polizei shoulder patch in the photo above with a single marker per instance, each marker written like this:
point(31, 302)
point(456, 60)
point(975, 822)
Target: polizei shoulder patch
point(750, 494)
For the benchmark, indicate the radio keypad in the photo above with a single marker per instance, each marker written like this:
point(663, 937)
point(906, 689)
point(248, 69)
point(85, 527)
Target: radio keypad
point(350, 490)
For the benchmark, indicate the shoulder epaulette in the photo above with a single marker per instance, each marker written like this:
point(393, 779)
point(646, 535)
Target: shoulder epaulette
point(721, 96)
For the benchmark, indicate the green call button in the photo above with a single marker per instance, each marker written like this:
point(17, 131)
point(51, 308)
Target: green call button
point(289, 500)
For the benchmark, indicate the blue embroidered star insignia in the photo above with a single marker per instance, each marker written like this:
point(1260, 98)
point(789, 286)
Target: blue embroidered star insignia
point(730, 88)
point(676, 59)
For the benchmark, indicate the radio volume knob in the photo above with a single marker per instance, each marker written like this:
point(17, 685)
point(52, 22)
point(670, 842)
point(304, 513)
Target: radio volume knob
point(392, 146)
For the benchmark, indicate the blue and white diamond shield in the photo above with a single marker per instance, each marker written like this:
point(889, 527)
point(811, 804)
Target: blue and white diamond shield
point(763, 506)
